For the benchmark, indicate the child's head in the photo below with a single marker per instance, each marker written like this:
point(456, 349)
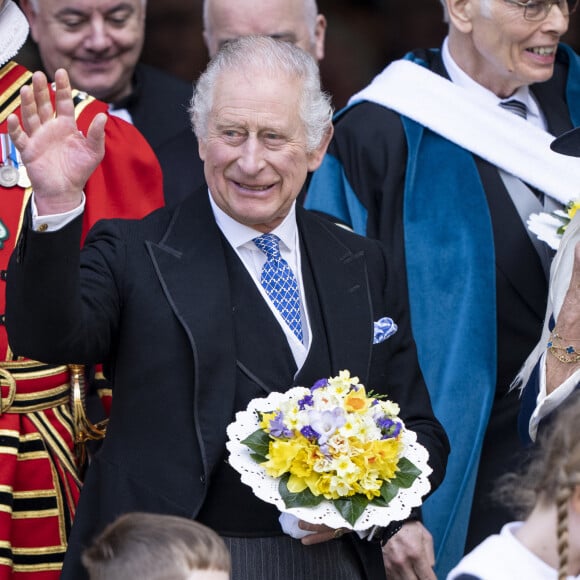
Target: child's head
point(552, 477)
point(155, 547)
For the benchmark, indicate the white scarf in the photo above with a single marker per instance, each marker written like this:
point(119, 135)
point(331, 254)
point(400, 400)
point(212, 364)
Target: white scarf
point(13, 31)
point(504, 139)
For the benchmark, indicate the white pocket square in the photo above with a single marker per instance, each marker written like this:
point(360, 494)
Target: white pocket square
point(384, 328)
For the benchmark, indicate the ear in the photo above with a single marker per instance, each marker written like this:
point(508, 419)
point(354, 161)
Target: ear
point(319, 37)
point(315, 157)
point(201, 148)
point(206, 40)
point(31, 16)
point(461, 13)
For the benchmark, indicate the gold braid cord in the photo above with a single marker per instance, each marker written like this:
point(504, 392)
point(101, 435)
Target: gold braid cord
point(85, 430)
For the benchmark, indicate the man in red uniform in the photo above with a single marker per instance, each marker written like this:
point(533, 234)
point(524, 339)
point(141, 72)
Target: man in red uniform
point(39, 479)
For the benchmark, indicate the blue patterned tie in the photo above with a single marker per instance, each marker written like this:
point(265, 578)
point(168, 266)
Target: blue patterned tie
point(280, 283)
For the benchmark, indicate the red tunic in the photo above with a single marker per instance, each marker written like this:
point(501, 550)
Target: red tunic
point(39, 483)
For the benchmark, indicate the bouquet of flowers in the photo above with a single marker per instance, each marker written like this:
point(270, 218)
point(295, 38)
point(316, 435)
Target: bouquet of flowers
point(332, 453)
point(549, 227)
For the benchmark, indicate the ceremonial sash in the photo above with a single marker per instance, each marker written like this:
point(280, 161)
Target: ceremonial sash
point(502, 138)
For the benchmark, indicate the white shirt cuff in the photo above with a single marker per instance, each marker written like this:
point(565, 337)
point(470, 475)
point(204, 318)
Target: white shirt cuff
point(545, 404)
point(54, 222)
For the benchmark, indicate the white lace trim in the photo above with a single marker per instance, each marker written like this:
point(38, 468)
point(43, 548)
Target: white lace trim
point(266, 488)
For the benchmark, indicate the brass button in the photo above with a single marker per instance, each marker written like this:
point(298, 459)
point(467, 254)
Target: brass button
point(42, 228)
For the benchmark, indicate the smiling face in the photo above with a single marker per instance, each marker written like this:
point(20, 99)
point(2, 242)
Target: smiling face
point(254, 152)
point(97, 41)
point(499, 48)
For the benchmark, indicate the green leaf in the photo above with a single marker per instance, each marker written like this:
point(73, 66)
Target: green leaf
point(259, 443)
point(303, 499)
point(352, 507)
point(389, 490)
point(406, 474)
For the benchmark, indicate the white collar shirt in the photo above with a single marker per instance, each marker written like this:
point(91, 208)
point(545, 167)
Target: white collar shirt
point(240, 237)
point(462, 79)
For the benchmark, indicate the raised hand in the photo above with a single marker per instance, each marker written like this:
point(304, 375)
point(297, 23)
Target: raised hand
point(59, 159)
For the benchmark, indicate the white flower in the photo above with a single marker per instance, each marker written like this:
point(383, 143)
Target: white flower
point(389, 408)
point(325, 401)
point(545, 227)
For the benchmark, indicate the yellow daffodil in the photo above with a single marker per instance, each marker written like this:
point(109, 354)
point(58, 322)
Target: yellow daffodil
point(357, 401)
point(281, 455)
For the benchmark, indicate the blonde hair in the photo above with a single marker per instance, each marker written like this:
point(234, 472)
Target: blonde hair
point(154, 547)
point(552, 472)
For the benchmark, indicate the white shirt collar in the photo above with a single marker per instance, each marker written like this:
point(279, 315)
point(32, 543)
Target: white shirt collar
point(239, 235)
point(462, 79)
point(13, 31)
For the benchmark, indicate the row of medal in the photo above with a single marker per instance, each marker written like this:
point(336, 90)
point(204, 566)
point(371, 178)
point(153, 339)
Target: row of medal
point(12, 170)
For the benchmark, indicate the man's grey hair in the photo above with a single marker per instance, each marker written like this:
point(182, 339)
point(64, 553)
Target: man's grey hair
point(310, 14)
point(266, 56)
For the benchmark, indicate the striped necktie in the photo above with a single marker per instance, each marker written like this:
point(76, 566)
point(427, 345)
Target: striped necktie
point(516, 107)
point(280, 283)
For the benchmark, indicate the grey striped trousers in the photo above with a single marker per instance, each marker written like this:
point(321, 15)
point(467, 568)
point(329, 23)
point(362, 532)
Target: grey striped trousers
point(283, 558)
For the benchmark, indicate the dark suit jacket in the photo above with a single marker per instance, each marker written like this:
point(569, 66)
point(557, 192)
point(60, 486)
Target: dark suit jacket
point(153, 300)
point(159, 109)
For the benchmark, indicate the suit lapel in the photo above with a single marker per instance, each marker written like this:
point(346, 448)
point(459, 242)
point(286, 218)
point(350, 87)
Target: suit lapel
point(191, 267)
point(516, 256)
point(341, 288)
point(522, 267)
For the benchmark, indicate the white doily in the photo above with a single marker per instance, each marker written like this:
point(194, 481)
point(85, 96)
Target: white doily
point(266, 487)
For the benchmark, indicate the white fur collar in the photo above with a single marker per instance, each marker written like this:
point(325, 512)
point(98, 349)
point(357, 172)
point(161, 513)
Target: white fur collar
point(13, 31)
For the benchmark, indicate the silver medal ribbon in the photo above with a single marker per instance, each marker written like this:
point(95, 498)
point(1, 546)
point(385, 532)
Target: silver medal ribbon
point(12, 171)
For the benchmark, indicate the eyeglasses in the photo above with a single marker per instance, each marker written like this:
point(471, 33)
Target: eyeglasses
point(536, 10)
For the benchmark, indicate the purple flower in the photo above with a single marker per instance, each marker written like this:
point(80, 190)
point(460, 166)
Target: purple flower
point(307, 401)
point(325, 423)
point(309, 432)
point(319, 384)
point(388, 427)
point(277, 427)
